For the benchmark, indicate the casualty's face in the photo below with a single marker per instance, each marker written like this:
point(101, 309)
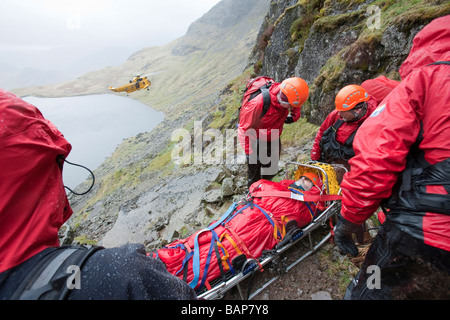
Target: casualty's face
point(308, 184)
point(305, 183)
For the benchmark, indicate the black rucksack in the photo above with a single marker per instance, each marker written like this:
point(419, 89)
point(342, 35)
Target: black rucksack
point(253, 88)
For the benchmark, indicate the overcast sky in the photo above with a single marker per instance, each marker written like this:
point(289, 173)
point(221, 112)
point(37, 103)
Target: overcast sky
point(39, 26)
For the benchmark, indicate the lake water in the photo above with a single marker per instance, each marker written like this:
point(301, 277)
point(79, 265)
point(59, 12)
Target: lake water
point(95, 125)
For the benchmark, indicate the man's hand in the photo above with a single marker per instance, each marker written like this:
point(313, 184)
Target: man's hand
point(343, 236)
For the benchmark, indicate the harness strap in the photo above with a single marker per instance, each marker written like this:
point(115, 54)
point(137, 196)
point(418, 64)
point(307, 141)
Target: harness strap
point(188, 256)
point(311, 211)
point(219, 261)
point(285, 220)
point(43, 283)
point(295, 196)
point(185, 269)
point(214, 239)
point(277, 234)
point(231, 217)
point(231, 240)
point(196, 258)
point(224, 258)
point(240, 244)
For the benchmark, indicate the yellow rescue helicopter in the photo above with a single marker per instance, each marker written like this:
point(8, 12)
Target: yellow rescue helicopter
point(138, 83)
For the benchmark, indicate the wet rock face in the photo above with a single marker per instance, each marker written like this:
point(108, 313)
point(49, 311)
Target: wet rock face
point(173, 209)
point(327, 44)
point(319, 48)
point(281, 52)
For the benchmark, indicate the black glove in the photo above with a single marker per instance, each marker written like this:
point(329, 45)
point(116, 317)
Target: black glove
point(289, 119)
point(343, 236)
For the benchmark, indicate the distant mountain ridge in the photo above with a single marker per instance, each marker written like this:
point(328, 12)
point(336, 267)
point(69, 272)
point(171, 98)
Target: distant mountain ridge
point(194, 67)
point(51, 69)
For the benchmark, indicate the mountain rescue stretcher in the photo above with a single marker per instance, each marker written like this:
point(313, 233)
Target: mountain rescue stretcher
point(332, 205)
point(226, 245)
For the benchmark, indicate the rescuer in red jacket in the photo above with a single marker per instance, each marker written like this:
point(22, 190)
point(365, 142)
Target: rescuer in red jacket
point(259, 133)
point(34, 205)
point(402, 163)
point(334, 140)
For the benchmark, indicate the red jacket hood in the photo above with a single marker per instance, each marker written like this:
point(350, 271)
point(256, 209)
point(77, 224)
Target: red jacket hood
point(33, 202)
point(429, 45)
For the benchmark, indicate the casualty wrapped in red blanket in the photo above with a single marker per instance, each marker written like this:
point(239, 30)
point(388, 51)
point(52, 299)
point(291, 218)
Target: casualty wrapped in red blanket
point(250, 229)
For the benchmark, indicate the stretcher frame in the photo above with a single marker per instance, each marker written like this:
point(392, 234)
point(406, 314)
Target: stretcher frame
point(220, 286)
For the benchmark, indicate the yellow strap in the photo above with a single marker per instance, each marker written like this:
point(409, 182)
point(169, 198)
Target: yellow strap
point(284, 219)
point(225, 257)
point(275, 233)
point(226, 235)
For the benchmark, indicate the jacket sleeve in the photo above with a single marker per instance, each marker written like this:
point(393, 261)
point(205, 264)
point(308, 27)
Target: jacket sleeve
point(381, 146)
point(295, 113)
point(328, 122)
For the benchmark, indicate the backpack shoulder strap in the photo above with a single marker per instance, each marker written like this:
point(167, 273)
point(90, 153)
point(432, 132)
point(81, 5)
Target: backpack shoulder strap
point(47, 279)
point(337, 124)
point(266, 98)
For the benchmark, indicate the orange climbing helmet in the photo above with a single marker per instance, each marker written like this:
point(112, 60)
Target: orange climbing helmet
point(313, 177)
point(349, 96)
point(296, 90)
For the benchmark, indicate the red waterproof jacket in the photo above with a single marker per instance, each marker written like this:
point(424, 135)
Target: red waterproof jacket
point(344, 131)
point(33, 203)
point(385, 138)
point(273, 119)
point(249, 232)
